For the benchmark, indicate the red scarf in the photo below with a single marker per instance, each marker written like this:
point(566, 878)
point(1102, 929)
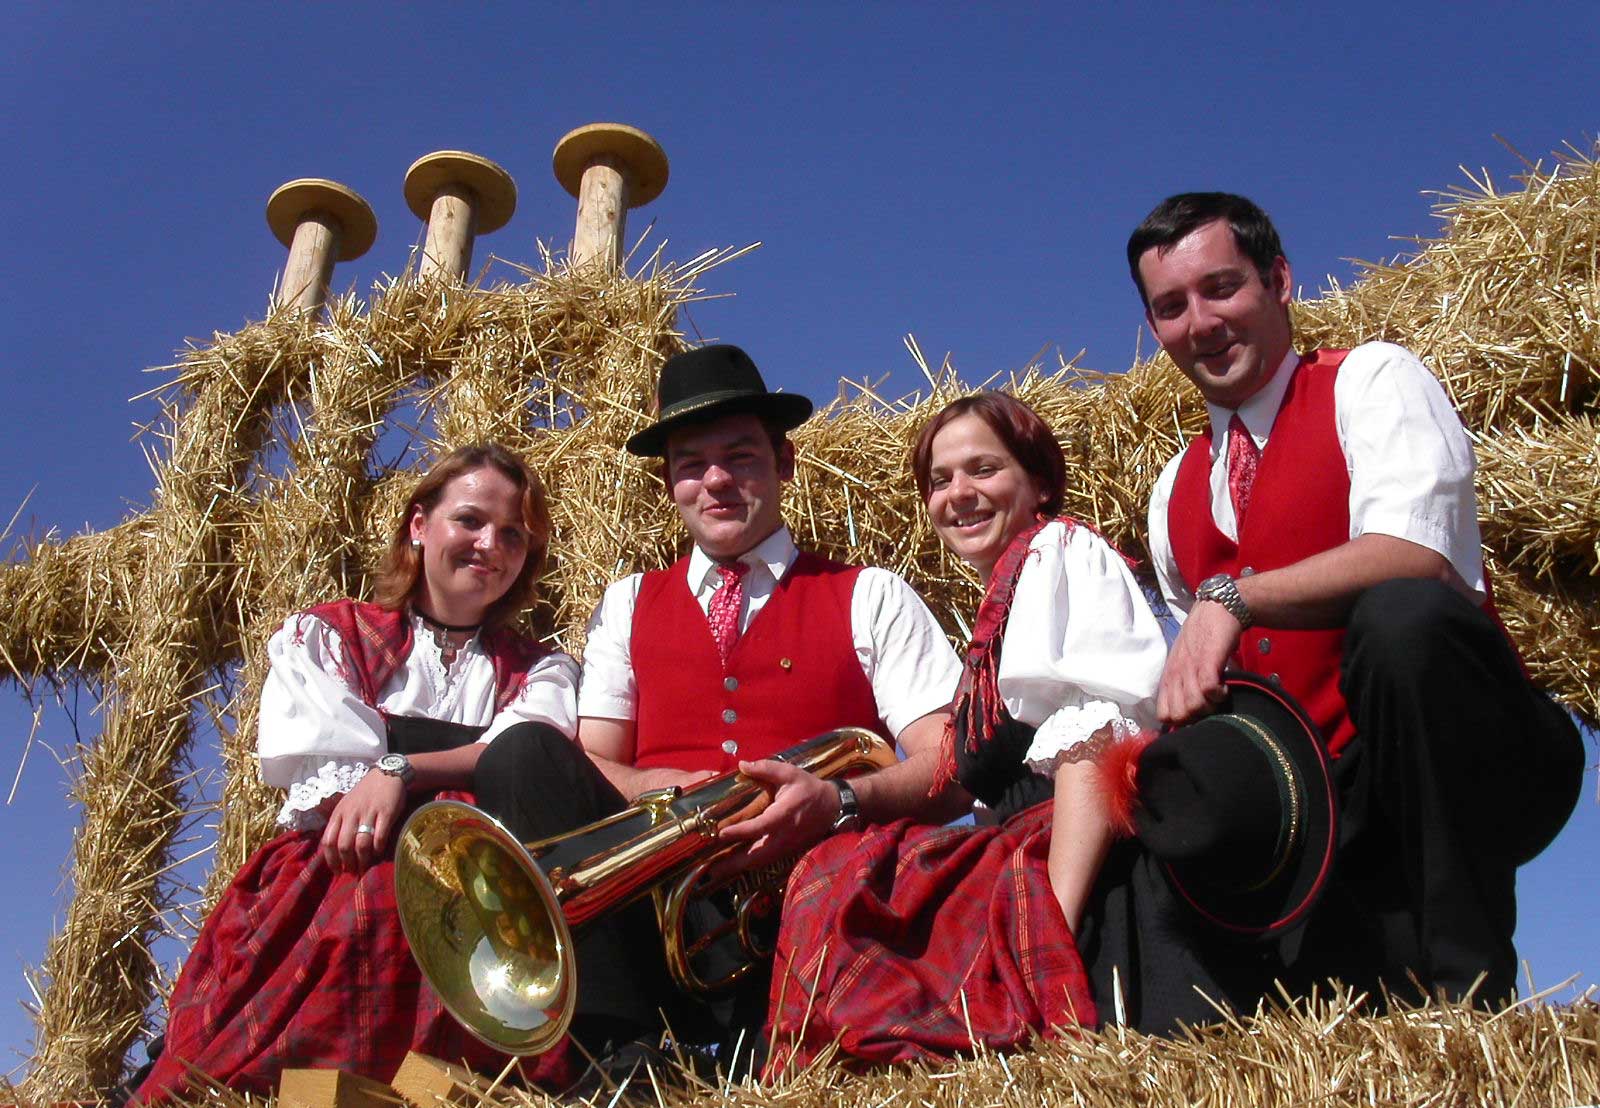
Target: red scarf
point(977, 706)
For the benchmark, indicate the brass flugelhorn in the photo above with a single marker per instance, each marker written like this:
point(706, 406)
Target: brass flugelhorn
point(490, 920)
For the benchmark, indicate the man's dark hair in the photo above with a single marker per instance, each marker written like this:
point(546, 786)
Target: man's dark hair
point(1176, 217)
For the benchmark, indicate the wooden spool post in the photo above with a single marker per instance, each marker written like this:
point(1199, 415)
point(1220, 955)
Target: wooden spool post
point(609, 167)
point(461, 196)
point(321, 222)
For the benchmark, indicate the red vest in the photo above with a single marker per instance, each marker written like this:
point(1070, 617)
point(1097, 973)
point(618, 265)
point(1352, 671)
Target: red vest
point(1299, 506)
point(793, 674)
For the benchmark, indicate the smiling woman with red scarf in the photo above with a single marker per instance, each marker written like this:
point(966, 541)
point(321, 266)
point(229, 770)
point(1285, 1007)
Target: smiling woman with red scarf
point(909, 941)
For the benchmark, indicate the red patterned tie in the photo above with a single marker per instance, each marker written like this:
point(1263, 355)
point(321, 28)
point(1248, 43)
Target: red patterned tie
point(723, 611)
point(1243, 454)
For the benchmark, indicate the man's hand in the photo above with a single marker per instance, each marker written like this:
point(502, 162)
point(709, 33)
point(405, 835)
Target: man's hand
point(376, 802)
point(802, 811)
point(1191, 683)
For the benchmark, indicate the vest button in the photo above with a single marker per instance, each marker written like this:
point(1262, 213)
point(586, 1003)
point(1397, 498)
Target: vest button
point(730, 683)
point(729, 746)
point(1275, 679)
point(1264, 645)
point(729, 715)
point(1247, 571)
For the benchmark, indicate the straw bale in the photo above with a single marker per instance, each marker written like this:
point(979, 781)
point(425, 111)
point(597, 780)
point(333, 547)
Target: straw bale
point(67, 604)
point(1539, 496)
point(97, 967)
point(1330, 1051)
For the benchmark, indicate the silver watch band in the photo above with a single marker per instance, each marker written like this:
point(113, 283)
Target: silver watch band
point(1224, 590)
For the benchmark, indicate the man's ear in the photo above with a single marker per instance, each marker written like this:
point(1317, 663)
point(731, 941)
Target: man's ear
point(785, 461)
point(1281, 280)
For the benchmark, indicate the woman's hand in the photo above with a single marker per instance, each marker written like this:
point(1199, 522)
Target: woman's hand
point(376, 804)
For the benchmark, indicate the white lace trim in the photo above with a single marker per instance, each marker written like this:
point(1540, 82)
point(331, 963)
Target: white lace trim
point(428, 657)
point(333, 777)
point(1072, 726)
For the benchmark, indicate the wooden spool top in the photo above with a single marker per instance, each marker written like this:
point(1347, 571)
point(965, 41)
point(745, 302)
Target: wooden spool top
point(643, 156)
point(496, 192)
point(294, 200)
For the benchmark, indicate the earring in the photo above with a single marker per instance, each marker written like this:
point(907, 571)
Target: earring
point(416, 544)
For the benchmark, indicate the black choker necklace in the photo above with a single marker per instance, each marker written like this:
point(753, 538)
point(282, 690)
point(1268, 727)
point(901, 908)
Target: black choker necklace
point(440, 625)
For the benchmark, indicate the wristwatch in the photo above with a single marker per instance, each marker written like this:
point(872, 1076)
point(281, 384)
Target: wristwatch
point(849, 817)
point(1224, 590)
point(397, 765)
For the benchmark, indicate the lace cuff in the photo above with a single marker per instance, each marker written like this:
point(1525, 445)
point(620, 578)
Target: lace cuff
point(1068, 735)
point(331, 778)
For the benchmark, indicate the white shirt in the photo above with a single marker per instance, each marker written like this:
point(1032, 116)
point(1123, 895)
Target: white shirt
point(1081, 648)
point(1409, 459)
point(318, 737)
point(904, 654)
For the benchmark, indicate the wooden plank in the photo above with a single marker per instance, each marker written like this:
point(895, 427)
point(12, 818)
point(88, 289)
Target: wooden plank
point(424, 1081)
point(333, 1089)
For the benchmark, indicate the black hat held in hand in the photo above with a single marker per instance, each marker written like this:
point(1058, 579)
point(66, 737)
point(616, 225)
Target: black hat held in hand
point(1240, 807)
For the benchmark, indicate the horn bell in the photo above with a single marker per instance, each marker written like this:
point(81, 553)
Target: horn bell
point(485, 927)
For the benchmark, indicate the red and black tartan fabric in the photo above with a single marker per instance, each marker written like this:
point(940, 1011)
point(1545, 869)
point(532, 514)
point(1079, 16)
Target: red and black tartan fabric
point(299, 966)
point(908, 941)
point(377, 641)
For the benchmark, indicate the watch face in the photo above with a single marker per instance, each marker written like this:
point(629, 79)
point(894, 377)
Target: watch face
point(393, 763)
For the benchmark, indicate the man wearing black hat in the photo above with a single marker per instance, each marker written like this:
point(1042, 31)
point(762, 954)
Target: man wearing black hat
point(1324, 532)
point(681, 680)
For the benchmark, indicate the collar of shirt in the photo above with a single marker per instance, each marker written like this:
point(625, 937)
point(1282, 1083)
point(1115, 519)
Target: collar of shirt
point(771, 556)
point(1259, 412)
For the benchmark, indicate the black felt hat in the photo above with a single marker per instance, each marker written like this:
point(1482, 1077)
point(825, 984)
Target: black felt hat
point(1240, 808)
point(708, 383)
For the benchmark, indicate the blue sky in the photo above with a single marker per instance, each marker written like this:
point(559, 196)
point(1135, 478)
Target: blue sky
point(965, 175)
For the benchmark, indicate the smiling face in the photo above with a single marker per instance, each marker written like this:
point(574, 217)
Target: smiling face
point(979, 496)
point(1225, 326)
point(726, 480)
point(474, 541)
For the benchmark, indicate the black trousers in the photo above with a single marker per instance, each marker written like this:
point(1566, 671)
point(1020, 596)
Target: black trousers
point(1460, 771)
point(539, 783)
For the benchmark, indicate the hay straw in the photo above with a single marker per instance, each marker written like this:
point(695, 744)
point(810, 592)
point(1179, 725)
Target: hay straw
point(1329, 1051)
point(270, 496)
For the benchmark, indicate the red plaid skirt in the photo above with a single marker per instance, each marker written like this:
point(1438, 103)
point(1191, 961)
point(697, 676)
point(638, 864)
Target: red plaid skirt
point(908, 941)
point(299, 966)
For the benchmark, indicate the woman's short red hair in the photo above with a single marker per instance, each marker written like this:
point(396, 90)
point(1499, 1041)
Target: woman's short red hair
point(1025, 435)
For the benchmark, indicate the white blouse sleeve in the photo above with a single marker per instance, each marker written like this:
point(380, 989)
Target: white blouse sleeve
point(317, 737)
point(1082, 648)
point(549, 694)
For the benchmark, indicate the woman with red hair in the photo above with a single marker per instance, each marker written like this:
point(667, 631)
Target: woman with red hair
point(909, 941)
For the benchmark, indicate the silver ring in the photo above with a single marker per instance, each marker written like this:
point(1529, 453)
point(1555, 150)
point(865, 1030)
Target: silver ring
point(363, 829)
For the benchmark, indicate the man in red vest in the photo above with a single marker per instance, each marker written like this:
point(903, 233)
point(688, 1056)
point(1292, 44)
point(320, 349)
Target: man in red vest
point(747, 645)
point(1324, 532)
